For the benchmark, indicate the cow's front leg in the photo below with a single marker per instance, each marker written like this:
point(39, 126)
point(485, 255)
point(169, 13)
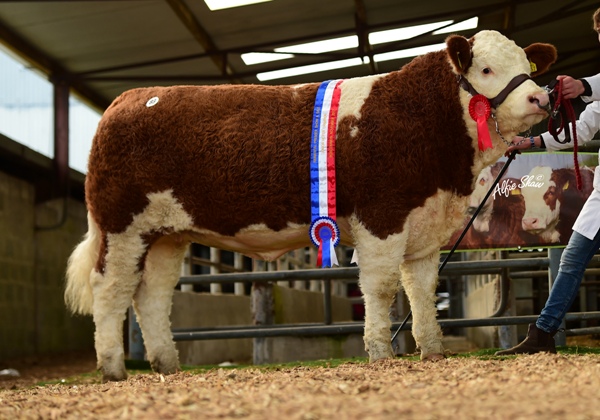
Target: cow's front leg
point(419, 279)
point(379, 262)
point(379, 289)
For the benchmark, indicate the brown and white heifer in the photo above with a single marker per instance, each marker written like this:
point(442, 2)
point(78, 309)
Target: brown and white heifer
point(499, 222)
point(547, 192)
point(484, 182)
point(228, 167)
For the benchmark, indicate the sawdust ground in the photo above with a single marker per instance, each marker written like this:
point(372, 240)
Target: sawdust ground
point(563, 386)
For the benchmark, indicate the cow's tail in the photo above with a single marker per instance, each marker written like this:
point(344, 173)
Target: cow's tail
point(78, 291)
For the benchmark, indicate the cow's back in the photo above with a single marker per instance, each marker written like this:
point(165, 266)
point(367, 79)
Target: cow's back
point(232, 155)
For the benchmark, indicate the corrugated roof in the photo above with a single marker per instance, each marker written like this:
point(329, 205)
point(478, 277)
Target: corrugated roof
point(105, 47)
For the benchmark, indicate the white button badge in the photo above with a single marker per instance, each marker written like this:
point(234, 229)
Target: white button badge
point(152, 101)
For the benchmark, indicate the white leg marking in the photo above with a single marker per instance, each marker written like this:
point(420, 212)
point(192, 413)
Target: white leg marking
point(153, 299)
point(113, 291)
point(379, 282)
point(419, 279)
point(111, 300)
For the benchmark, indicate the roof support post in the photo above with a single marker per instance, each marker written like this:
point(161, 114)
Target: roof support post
point(362, 31)
point(61, 135)
point(187, 17)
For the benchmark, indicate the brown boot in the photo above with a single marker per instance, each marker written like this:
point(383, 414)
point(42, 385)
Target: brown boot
point(535, 342)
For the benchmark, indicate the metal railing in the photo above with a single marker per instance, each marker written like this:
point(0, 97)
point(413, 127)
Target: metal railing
point(351, 273)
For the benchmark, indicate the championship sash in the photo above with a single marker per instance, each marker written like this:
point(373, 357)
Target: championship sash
point(324, 231)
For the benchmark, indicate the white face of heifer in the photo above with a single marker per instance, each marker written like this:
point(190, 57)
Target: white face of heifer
point(496, 60)
point(542, 206)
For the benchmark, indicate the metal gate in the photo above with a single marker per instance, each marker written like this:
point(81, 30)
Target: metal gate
point(504, 267)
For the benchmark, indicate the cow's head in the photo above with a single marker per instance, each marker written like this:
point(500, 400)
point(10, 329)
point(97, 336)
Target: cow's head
point(483, 183)
point(490, 61)
point(542, 204)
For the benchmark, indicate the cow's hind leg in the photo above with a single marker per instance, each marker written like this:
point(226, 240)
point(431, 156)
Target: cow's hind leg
point(419, 279)
point(113, 289)
point(152, 302)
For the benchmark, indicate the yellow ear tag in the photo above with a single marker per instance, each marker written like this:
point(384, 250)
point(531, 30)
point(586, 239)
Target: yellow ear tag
point(516, 191)
point(566, 186)
point(533, 66)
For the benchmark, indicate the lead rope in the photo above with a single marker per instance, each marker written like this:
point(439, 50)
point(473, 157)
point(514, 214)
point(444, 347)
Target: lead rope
point(564, 108)
point(464, 232)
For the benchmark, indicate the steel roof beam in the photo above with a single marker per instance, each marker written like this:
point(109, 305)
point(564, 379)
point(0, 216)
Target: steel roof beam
point(215, 53)
point(48, 65)
point(186, 16)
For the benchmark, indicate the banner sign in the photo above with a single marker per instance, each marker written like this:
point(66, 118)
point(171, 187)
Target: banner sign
point(534, 205)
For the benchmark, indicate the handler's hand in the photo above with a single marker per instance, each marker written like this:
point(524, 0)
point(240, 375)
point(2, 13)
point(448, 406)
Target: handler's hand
point(518, 143)
point(571, 88)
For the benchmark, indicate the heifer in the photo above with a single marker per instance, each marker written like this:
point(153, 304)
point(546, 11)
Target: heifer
point(484, 182)
point(498, 224)
point(546, 193)
point(228, 167)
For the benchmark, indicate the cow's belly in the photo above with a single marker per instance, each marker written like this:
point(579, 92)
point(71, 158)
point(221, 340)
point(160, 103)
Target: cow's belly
point(258, 241)
point(431, 226)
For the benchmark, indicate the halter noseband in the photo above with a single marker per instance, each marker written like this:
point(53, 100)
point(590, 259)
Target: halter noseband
point(496, 101)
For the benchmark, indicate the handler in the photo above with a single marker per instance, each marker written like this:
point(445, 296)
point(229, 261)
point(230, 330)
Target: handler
point(585, 240)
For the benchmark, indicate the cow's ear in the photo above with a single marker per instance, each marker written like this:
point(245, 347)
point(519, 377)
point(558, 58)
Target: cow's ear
point(459, 52)
point(541, 56)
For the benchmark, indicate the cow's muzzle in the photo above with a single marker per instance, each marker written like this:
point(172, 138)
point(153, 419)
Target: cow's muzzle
point(547, 107)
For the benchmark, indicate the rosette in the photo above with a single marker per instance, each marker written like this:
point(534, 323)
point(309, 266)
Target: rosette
point(325, 235)
point(480, 110)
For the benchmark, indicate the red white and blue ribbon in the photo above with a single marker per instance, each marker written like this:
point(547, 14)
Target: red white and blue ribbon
point(324, 232)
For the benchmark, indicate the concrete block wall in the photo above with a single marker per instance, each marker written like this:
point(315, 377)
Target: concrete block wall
point(58, 330)
point(33, 317)
point(481, 300)
point(199, 310)
point(482, 303)
point(17, 256)
point(290, 306)
point(305, 306)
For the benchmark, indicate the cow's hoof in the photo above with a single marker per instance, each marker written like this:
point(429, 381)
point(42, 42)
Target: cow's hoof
point(112, 368)
point(164, 368)
point(378, 351)
point(113, 376)
point(433, 357)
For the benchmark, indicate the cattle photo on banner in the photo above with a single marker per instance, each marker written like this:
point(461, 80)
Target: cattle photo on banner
point(533, 205)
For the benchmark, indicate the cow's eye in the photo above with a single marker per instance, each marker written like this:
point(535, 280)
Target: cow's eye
point(487, 70)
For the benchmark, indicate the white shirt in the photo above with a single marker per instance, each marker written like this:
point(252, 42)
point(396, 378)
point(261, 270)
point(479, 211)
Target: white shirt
point(588, 124)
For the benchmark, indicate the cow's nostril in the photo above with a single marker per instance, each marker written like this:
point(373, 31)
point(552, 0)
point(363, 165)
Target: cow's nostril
point(529, 223)
point(541, 103)
point(546, 107)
